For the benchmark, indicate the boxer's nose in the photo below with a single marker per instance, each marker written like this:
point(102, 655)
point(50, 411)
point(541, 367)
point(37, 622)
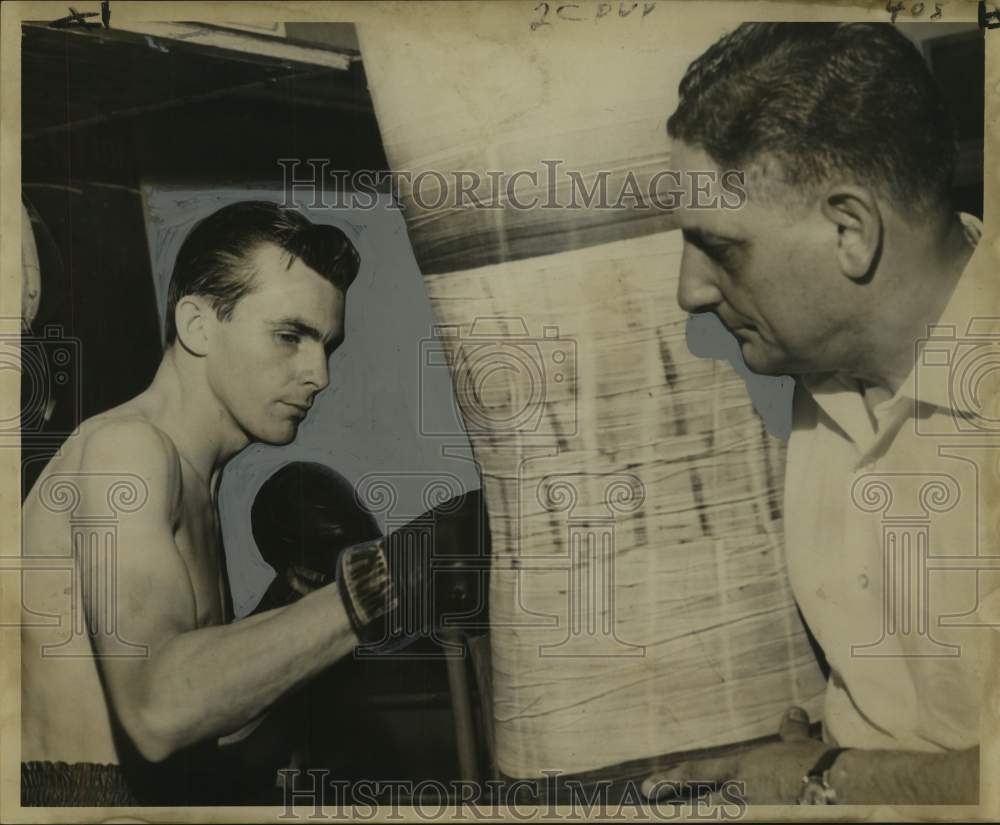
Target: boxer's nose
point(316, 370)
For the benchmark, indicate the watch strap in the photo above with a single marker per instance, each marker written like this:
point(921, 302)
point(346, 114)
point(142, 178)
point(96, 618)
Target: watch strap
point(816, 788)
point(825, 762)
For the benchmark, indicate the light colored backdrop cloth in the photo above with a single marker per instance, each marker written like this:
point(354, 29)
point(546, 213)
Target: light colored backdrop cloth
point(639, 600)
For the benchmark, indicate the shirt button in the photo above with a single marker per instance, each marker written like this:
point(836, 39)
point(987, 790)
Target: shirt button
point(863, 581)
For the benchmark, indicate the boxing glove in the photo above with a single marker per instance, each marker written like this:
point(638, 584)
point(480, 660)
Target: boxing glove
point(430, 575)
point(302, 517)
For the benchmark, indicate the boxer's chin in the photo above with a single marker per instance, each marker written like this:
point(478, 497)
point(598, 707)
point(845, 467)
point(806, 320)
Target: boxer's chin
point(278, 434)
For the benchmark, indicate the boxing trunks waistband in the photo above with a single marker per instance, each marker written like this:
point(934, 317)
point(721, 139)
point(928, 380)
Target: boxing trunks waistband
point(53, 784)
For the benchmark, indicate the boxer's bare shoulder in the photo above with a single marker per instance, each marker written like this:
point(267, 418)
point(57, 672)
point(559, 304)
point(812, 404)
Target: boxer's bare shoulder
point(116, 447)
point(161, 540)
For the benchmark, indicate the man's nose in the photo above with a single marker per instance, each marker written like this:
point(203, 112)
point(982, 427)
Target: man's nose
point(696, 288)
point(317, 368)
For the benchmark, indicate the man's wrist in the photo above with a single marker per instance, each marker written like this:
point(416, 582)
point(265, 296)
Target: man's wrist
point(818, 784)
point(338, 619)
point(841, 776)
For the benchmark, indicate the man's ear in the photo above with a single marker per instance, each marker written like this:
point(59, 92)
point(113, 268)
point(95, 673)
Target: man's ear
point(191, 318)
point(855, 213)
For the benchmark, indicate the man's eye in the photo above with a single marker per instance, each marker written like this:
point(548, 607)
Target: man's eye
point(722, 253)
point(289, 337)
point(718, 251)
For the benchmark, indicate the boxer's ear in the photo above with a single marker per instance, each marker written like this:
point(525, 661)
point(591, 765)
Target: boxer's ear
point(854, 212)
point(191, 316)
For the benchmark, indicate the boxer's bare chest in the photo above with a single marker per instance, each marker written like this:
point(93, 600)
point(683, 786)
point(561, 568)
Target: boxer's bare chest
point(199, 541)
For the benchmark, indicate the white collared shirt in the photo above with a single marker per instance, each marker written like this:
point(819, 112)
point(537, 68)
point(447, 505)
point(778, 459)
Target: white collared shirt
point(891, 519)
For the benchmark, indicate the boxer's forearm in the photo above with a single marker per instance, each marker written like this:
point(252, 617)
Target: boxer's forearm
point(905, 777)
point(210, 682)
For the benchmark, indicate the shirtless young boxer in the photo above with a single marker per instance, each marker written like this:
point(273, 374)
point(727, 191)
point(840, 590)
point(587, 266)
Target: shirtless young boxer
point(256, 306)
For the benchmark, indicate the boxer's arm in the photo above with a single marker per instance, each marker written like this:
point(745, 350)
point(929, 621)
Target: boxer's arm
point(193, 684)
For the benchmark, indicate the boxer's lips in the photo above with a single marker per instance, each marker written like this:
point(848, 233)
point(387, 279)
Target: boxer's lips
point(301, 408)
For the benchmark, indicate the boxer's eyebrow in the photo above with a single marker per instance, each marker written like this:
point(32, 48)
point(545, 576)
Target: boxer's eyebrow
point(303, 328)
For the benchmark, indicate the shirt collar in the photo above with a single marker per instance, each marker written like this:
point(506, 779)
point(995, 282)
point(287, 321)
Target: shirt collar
point(840, 398)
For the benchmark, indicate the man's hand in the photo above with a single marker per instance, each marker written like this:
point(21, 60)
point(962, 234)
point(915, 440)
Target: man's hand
point(771, 774)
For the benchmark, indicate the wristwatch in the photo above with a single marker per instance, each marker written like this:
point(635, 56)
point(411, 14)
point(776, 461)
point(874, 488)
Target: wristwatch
point(816, 789)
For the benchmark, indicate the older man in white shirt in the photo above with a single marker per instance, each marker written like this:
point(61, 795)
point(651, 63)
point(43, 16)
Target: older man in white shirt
point(847, 268)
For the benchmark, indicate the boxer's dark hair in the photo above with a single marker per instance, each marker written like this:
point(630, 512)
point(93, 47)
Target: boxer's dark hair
point(215, 261)
point(820, 99)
